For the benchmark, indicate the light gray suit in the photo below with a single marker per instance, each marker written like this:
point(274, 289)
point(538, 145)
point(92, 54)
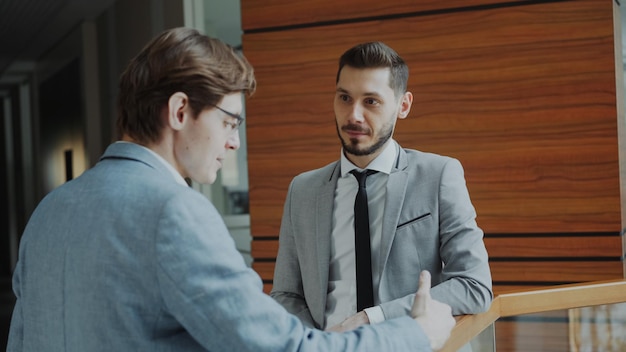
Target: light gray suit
point(428, 221)
point(124, 258)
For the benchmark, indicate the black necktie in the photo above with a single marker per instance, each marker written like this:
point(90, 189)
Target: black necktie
point(364, 287)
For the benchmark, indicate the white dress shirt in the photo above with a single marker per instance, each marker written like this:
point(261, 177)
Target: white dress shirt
point(341, 293)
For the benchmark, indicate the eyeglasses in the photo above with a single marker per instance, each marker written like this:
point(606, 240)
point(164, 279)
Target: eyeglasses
point(232, 125)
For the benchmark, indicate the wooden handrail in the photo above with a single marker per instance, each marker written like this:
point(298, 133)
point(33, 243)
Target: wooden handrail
point(536, 301)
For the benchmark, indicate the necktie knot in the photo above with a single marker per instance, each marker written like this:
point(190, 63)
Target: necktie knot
point(361, 176)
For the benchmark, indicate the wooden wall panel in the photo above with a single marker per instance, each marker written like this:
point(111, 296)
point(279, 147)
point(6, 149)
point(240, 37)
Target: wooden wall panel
point(500, 248)
point(555, 272)
point(524, 95)
point(596, 246)
point(521, 273)
point(267, 14)
point(529, 262)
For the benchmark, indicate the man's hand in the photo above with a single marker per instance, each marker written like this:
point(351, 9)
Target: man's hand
point(435, 318)
point(351, 323)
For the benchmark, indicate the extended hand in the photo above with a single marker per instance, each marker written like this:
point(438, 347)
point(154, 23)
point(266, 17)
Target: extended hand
point(351, 323)
point(434, 317)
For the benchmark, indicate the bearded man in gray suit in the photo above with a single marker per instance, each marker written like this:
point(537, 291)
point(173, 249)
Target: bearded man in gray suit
point(420, 213)
point(127, 257)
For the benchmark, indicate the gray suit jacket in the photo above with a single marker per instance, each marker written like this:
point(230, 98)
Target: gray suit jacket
point(124, 258)
point(429, 224)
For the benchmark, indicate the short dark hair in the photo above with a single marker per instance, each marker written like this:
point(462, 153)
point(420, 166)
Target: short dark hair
point(377, 55)
point(178, 60)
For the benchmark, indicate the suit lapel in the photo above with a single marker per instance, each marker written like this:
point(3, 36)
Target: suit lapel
point(394, 199)
point(325, 197)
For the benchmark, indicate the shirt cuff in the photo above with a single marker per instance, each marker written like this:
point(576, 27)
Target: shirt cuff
point(375, 314)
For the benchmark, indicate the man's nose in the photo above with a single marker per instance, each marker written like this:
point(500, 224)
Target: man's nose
point(356, 113)
point(233, 141)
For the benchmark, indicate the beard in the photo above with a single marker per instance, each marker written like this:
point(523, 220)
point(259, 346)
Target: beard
point(351, 146)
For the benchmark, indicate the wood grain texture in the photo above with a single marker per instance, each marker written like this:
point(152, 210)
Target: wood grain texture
point(514, 247)
point(555, 247)
point(502, 289)
point(510, 272)
point(260, 14)
point(563, 297)
point(264, 249)
point(523, 96)
point(264, 269)
point(555, 271)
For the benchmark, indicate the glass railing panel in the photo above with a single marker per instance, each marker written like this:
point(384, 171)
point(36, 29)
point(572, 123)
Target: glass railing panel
point(485, 341)
point(592, 328)
point(577, 317)
point(598, 328)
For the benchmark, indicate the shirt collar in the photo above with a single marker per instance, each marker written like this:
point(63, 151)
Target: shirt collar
point(172, 170)
point(383, 162)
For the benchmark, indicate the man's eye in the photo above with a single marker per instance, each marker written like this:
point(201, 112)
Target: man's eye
point(371, 101)
point(231, 125)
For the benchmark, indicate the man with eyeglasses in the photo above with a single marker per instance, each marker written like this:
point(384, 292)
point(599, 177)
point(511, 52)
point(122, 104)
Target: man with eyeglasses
point(127, 257)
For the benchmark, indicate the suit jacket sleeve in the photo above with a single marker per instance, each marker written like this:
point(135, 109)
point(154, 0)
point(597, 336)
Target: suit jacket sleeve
point(288, 289)
point(16, 334)
point(464, 281)
point(206, 286)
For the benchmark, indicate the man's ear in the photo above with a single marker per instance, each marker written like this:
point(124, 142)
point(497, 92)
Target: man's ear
point(177, 110)
point(405, 105)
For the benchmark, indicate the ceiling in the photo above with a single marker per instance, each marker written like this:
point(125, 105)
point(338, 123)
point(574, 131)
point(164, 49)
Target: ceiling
point(28, 28)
